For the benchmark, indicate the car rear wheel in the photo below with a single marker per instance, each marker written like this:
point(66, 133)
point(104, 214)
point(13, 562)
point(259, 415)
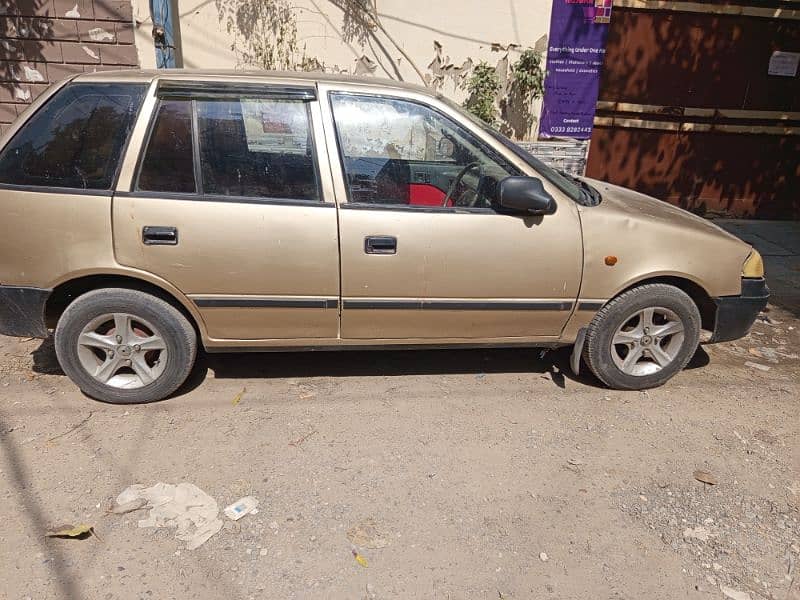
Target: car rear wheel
point(643, 337)
point(125, 346)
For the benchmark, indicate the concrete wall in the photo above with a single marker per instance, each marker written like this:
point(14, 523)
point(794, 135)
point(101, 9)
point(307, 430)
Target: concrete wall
point(44, 41)
point(465, 29)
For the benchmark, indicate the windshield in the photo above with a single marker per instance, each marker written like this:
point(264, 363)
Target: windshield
point(576, 189)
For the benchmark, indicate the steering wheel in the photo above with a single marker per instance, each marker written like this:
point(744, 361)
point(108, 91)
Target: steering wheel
point(457, 181)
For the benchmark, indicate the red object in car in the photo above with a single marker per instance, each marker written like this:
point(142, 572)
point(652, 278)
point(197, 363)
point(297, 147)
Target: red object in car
point(425, 194)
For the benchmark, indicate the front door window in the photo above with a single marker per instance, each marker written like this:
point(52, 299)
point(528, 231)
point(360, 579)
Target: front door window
point(402, 153)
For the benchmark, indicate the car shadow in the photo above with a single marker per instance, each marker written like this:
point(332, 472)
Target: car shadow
point(386, 363)
point(44, 357)
point(554, 364)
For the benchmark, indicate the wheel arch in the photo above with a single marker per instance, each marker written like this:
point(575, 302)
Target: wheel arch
point(69, 289)
point(693, 289)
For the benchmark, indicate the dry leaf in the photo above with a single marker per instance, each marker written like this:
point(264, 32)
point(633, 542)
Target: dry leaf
point(70, 531)
point(238, 397)
point(706, 477)
point(359, 559)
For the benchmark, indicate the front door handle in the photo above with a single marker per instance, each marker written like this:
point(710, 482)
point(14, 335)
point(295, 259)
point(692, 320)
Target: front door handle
point(154, 235)
point(380, 244)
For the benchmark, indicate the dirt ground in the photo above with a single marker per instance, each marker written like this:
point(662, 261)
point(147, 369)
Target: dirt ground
point(454, 474)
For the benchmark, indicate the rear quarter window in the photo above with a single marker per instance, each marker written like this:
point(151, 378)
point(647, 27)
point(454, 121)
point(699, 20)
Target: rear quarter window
point(75, 140)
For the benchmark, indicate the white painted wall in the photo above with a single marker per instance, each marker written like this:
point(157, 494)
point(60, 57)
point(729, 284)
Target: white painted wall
point(464, 28)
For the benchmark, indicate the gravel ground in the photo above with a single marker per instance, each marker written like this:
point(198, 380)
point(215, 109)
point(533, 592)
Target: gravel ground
point(452, 474)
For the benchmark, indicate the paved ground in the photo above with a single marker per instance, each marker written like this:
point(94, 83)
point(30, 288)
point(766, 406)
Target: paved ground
point(779, 244)
point(456, 475)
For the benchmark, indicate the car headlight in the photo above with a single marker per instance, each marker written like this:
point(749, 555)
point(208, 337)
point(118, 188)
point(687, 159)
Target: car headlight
point(753, 266)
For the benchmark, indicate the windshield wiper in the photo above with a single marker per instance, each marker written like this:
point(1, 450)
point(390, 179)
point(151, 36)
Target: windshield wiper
point(590, 195)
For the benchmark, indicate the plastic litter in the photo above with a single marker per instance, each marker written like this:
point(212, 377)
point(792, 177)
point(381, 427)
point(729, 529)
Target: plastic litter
point(185, 506)
point(244, 506)
point(754, 365)
point(734, 594)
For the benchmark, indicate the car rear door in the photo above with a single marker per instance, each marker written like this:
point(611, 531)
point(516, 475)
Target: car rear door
point(442, 264)
point(227, 202)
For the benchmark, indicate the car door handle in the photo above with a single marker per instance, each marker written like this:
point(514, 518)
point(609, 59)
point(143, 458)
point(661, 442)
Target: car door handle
point(153, 235)
point(380, 244)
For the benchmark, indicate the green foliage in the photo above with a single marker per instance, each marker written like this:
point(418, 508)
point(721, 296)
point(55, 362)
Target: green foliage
point(483, 86)
point(527, 74)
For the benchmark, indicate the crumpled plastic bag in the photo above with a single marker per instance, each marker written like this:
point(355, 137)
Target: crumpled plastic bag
point(185, 506)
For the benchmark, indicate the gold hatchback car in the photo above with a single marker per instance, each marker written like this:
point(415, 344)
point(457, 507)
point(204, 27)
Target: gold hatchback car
point(144, 213)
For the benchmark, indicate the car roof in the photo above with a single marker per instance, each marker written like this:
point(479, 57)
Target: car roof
point(280, 77)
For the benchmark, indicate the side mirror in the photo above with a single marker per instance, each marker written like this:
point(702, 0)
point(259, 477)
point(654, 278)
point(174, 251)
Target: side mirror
point(525, 195)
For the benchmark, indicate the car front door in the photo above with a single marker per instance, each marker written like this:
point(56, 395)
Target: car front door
point(424, 252)
point(226, 204)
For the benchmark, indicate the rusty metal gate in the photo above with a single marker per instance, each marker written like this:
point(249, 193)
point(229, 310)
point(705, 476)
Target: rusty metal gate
point(688, 113)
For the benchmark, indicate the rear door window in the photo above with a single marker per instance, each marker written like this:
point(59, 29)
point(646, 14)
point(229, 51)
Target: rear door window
point(75, 140)
point(234, 147)
point(168, 164)
point(256, 147)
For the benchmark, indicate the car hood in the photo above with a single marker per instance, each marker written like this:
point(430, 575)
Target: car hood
point(640, 206)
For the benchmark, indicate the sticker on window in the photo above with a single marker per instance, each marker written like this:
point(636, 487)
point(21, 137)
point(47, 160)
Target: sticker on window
point(275, 126)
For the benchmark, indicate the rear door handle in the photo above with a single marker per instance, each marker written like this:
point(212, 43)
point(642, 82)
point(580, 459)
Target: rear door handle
point(380, 244)
point(154, 235)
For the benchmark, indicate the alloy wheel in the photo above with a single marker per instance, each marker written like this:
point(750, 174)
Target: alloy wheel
point(122, 351)
point(647, 341)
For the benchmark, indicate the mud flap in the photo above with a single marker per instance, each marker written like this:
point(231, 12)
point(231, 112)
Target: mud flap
point(22, 311)
point(577, 349)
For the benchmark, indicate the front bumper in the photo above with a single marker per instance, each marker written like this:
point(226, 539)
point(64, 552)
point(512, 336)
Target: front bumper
point(736, 314)
point(22, 311)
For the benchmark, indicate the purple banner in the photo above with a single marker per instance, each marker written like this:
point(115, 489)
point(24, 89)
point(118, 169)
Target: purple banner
point(576, 47)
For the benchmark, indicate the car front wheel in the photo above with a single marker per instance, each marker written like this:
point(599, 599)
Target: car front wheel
point(643, 337)
point(125, 346)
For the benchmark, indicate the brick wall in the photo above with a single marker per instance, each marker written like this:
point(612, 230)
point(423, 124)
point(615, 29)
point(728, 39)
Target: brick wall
point(44, 41)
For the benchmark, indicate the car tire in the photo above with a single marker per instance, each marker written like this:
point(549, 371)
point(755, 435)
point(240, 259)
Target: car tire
point(125, 346)
point(643, 337)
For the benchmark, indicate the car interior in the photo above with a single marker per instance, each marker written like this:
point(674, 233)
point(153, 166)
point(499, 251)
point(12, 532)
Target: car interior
point(233, 164)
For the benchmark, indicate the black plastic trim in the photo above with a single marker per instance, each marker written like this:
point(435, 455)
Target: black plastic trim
point(380, 244)
point(582, 305)
point(736, 314)
point(245, 302)
point(372, 304)
point(220, 89)
point(421, 209)
point(22, 311)
point(196, 158)
point(44, 189)
point(157, 235)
